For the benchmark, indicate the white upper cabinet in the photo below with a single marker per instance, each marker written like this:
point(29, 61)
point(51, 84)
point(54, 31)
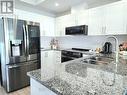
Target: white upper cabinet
point(69, 20)
point(63, 22)
point(125, 15)
point(110, 19)
point(96, 21)
point(107, 20)
point(82, 18)
point(59, 26)
point(114, 21)
point(48, 26)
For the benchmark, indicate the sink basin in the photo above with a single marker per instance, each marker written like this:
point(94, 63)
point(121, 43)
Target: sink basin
point(76, 69)
point(98, 60)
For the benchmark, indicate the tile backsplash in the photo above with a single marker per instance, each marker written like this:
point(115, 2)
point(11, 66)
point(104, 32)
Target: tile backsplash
point(90, 42)
point(45, 41)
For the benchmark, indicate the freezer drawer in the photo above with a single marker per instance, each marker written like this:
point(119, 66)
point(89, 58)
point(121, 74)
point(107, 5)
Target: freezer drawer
point(17, 75)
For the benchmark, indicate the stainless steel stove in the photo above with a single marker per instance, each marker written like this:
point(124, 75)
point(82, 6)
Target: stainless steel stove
point(73, 53)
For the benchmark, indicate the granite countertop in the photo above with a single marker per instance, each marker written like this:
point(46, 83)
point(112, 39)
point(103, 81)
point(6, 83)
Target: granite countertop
point(77, 78)
point(120, 68)
point(55, 84)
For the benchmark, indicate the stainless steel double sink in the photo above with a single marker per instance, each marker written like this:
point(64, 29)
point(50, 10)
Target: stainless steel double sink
point(98, 60)
point(80, 68)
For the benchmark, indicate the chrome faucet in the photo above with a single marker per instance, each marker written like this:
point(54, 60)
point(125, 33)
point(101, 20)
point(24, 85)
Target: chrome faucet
point(116, 60)
point(116, 47)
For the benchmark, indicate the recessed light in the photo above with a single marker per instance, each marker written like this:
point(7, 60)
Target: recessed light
point(56, 4)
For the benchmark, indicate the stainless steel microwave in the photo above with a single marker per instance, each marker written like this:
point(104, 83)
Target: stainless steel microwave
point(77, 30)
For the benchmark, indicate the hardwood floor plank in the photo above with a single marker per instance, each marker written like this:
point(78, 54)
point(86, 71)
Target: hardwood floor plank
point(24, 91)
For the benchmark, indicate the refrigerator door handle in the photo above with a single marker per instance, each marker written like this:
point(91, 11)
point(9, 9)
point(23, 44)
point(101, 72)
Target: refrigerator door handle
point(27, 34)
point(24, 38)
point(5, 27)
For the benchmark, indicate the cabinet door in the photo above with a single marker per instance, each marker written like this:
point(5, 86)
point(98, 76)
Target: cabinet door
point(96, 17)
point(50, 57)
point(48, 64)
point(125, 16)
point(115, 18)
point(46, 57)
point(63, 22)
point(48, 27)
point(83, 17)
point(57, 57)
point(59, 27)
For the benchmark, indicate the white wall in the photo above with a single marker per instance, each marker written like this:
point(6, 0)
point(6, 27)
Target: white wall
point(45, 42)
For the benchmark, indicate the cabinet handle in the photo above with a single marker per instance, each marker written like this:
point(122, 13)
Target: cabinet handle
point(104, 29)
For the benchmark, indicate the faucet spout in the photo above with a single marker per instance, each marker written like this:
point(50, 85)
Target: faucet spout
point(116, 48)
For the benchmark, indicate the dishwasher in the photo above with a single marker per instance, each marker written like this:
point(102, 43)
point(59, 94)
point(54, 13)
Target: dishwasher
point(17, 74)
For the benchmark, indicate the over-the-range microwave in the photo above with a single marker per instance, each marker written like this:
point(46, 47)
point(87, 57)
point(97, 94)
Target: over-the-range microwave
point(77, 30)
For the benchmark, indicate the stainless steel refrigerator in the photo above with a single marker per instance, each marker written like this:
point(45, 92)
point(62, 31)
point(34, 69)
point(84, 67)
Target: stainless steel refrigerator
point(20, 51)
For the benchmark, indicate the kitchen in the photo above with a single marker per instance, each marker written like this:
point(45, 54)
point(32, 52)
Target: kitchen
point(61, 40)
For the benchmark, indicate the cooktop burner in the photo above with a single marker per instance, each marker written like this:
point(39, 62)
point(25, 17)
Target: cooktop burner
point(80, 49)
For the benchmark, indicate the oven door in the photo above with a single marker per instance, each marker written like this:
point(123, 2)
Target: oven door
point(66, 58)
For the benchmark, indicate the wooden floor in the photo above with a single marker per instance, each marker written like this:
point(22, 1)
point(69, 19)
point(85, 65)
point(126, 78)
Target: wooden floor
point(24, 91)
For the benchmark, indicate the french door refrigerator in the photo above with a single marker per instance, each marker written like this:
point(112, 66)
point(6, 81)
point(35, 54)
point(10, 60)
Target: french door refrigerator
point(20, 51)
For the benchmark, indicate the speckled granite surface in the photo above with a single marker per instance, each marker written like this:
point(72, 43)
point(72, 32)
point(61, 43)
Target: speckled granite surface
point(57, 85)
point(77, 78)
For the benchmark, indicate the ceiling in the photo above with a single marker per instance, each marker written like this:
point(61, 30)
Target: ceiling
point(48, 6)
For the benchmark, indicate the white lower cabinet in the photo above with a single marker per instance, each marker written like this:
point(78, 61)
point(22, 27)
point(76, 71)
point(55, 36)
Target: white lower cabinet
point(50, 57)
point(38, 89)
point(50, 60)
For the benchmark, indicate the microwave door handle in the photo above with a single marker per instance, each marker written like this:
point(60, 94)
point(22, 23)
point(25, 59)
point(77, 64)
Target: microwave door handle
point(27, 38)
point(24, 32)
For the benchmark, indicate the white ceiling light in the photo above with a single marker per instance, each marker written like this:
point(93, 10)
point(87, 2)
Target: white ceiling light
point(56, 4)
point(33, 2)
